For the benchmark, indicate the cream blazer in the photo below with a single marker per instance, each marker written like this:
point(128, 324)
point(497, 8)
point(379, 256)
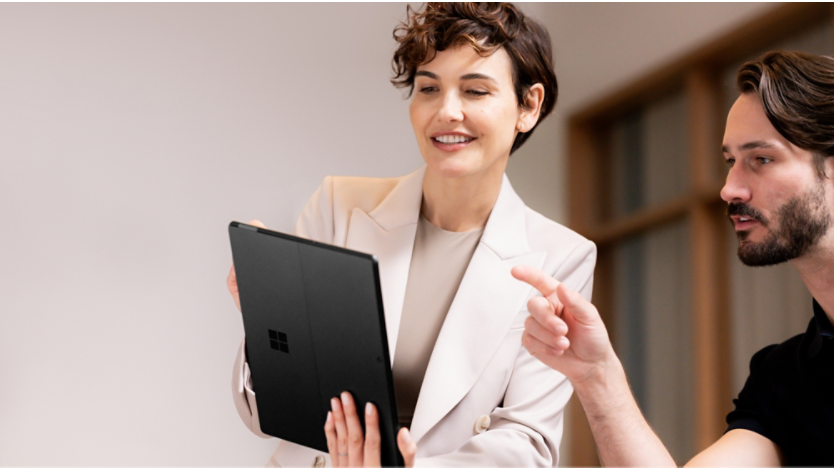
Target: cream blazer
point(485, 401)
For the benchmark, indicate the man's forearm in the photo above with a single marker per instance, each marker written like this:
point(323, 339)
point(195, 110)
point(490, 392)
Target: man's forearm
point(622, 435)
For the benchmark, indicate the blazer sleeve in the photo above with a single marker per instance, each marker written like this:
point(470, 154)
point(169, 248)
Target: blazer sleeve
point(315, 223)
point(527, 427)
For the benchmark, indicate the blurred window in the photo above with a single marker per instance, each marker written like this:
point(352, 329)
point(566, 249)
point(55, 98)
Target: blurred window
point(645, 167)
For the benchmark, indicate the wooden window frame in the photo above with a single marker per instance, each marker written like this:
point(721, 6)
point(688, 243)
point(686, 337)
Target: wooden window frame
point(589, 162)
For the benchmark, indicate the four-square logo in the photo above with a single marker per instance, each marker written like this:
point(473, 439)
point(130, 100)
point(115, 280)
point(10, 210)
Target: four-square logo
point(278, 341)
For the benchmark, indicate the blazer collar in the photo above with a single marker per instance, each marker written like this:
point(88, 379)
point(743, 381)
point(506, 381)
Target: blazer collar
point(402, 205)
point(506, 229)
point(505, 232)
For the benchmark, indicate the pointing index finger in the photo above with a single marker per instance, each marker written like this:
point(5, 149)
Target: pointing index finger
point(536, 278)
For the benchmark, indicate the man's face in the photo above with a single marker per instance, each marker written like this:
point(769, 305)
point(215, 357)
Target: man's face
point(778, 204)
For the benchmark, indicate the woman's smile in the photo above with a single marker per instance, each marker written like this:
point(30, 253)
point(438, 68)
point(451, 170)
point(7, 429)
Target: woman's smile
point(451, 141)
point(464, 107)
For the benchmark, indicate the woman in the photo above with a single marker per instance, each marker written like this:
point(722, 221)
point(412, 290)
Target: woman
point(446, 237)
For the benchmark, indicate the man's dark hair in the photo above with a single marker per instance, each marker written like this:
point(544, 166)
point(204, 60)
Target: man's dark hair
point(797, 92)
point(485, 27)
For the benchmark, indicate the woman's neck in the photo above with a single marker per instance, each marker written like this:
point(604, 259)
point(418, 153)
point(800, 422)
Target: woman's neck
point(460, 204)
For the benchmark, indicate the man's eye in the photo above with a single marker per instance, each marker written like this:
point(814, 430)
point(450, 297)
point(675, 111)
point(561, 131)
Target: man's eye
point(730, 162)
point(763, 160)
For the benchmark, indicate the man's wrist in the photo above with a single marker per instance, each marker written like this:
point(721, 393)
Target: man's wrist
point(604, 387)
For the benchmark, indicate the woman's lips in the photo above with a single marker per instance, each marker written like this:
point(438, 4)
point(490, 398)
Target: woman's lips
point(451, 146)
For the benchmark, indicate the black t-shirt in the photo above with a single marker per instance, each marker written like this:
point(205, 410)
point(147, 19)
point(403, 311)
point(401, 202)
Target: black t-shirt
point(789, 395)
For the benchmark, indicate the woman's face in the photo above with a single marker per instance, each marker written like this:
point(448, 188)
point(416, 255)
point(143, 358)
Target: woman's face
point(464, 112)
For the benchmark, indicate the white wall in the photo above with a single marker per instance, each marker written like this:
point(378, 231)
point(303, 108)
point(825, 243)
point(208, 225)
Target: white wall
point(131, 134)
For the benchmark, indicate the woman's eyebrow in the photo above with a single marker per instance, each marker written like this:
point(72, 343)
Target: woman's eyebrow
point(468, 76)
point(425, 73)
point(476, 76)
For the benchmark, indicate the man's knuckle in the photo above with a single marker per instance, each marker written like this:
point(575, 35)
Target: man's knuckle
point(525, 340)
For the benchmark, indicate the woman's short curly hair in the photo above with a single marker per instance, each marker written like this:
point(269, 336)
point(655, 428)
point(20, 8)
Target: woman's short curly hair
point(485, 27)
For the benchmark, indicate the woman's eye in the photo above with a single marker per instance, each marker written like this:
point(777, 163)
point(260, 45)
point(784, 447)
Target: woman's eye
point(477, 92)
point(763, 160)
point(730, 162)
point(428, 89)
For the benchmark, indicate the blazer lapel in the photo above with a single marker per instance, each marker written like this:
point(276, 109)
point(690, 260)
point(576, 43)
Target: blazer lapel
point(485, 306)
point(388, 232)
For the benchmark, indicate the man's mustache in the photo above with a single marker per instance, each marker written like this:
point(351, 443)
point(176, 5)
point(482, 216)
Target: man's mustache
point(742, 209)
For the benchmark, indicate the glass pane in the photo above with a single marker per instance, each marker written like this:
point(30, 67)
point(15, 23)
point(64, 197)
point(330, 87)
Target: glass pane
point(653, 333)
point(649, 151)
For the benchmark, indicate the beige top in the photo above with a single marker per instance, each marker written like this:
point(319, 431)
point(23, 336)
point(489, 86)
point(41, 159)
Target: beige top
point(438, 263)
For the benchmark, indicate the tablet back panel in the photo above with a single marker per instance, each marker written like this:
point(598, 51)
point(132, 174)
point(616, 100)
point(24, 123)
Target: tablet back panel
point(314, 327)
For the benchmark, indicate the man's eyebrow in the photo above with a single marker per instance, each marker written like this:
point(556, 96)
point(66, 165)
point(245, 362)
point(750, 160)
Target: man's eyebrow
point(756, 144)
point(425, 73)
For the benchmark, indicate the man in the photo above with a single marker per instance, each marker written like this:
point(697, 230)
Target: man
point(780, 195)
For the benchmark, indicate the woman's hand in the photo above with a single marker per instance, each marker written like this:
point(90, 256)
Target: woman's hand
point(231, 280)
point(349, 446)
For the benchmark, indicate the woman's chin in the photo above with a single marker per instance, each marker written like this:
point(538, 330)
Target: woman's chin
point(452, 171)
point(450, 167)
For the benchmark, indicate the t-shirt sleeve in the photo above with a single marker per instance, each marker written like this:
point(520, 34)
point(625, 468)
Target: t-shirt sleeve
point(751, 402)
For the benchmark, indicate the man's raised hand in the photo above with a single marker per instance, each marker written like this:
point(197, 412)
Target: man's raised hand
point(564, 330)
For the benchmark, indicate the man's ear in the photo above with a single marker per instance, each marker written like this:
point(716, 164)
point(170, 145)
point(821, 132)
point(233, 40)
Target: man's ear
point(529, 115)
point(828, 166)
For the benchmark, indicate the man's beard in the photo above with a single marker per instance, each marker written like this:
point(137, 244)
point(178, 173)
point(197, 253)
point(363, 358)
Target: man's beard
point(802, 221)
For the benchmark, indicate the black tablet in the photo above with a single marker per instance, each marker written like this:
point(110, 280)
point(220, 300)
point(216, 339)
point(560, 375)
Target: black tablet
point(314, 327)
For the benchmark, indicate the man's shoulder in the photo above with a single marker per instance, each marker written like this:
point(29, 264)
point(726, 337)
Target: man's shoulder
point(769, 361)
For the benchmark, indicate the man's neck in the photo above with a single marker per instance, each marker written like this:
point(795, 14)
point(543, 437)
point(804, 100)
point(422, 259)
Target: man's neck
point(817, 271)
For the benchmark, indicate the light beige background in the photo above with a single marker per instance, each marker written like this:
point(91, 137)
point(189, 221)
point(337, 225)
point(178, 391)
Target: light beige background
point(131, 134)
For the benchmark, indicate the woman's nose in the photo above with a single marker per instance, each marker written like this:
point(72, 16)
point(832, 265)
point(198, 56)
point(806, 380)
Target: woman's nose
point(451, 109)
point(735, 188)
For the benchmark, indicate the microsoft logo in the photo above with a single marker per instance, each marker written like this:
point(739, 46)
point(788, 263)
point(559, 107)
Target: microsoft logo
point(278, 341)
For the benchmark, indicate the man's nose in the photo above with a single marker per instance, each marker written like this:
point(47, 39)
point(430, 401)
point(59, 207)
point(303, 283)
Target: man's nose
point(735, 188)
point(451, 109)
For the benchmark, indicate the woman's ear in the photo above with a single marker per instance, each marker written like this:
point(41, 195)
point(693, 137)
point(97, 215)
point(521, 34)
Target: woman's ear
point(529, 115)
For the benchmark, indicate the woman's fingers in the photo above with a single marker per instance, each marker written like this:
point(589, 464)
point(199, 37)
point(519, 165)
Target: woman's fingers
point(355, 438)
point(231, 284)
point(341, 459)
point(372, 438)
point(330, 433)
point(231, 279)
point(349, 445)
point(407, 447)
